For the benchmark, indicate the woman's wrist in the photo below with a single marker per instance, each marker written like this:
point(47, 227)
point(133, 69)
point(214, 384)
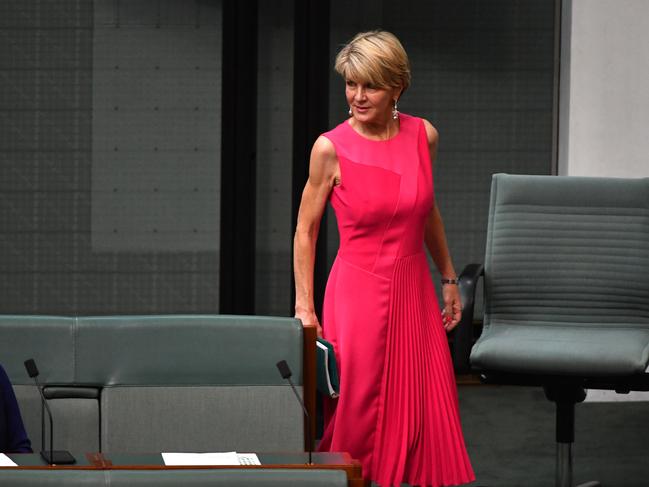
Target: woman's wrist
point(447, 272)
point(304, 310)
point(449, 280)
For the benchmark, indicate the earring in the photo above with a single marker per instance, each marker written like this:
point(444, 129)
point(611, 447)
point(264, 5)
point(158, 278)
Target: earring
point(350, 110)
point(395, 112)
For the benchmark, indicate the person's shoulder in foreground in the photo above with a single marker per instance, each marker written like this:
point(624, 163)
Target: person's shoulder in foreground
point(13, 437)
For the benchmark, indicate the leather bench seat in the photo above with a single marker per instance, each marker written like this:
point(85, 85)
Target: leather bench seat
point(159, 383)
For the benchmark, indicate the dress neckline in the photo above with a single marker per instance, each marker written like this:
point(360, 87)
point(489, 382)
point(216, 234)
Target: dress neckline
point(402, 117)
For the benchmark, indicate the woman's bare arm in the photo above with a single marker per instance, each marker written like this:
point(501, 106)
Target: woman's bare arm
point(435, 238)
point(324, 172)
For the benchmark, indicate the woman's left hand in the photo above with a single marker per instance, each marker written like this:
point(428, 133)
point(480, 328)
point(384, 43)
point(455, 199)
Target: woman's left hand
point(452, 312)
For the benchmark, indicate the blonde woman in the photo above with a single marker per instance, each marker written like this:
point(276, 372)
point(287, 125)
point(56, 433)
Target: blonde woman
point(397, 411)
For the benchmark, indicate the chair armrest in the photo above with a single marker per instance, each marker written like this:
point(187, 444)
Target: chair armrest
point(468, 281)
point(71, 392)
point(463, 333)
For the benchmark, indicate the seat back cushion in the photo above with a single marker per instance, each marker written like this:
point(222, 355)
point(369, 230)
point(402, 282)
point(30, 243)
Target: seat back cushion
point(200, 418)
point(76, 420)
point(187, 350)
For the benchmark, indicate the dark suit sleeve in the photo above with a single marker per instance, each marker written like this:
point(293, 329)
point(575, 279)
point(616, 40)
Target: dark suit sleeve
point(15, 437)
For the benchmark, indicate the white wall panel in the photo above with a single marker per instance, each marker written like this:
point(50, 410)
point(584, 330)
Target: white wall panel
point(605, 108)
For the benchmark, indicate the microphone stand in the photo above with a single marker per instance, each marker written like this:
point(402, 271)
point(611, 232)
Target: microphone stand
point(59, 457)
point(48, 458)
point(286, 373)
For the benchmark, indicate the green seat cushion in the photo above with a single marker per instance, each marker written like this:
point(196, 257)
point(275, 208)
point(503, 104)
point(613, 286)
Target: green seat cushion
point(550, 349)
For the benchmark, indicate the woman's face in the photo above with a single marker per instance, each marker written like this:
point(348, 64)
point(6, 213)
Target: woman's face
point(369, 103)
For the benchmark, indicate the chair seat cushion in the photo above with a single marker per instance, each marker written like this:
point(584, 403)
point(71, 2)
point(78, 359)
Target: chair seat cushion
point(591, 350)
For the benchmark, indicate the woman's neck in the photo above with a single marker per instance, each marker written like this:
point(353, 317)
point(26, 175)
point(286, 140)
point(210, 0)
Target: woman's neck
point(378, 130)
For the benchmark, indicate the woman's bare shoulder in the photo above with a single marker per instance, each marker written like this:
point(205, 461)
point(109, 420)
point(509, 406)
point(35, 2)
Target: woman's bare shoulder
point(323, 147)
point(431, 132)
point(324, 162)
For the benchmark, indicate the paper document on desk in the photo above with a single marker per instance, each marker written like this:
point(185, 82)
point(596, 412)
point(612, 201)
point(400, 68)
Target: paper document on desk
point(5, 461)
point(213, 458)
point(248, 459)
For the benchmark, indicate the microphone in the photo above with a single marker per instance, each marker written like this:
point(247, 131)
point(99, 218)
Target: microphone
point(52, 457)
point(286, 373)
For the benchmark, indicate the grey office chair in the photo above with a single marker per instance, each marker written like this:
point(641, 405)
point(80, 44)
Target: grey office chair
point(566, 277)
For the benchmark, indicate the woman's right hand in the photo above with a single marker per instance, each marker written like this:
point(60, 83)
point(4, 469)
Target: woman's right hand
point(309, 318)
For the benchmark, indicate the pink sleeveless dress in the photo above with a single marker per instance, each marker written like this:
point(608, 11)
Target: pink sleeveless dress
point(398, 410)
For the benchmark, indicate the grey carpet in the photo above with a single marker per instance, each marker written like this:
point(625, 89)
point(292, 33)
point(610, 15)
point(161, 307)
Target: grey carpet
point(510, 437)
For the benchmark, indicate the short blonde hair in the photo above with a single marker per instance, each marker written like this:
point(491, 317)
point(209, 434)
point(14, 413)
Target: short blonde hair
point(375, 57)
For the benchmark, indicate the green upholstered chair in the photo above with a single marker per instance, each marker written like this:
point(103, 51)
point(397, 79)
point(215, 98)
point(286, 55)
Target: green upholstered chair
point(566, 277)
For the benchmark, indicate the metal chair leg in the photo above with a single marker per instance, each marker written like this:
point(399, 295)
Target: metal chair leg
point(565, 396)
point(564, 467)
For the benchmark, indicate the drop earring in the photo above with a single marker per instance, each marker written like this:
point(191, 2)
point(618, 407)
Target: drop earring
point(395, 112)
point(350, 111)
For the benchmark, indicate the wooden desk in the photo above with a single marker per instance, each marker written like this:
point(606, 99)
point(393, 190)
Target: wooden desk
point(33, 461)
point(153, 461)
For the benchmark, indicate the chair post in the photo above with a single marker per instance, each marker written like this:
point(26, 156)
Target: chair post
point(564, 465)
point(565, 434)
point(565, 396)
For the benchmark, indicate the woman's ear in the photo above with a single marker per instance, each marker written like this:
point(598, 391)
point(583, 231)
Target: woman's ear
point(396, 94)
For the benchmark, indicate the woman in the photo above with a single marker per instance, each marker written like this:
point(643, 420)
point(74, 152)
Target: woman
point(397, 411)
point(13, 438)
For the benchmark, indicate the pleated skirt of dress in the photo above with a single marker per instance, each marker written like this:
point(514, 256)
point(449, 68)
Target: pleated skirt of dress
point(418, 436)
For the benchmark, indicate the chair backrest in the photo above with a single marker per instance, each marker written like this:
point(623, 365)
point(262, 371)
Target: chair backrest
point(568, 253)
point(49, 340)
point(193, 383)
point(159, 383)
